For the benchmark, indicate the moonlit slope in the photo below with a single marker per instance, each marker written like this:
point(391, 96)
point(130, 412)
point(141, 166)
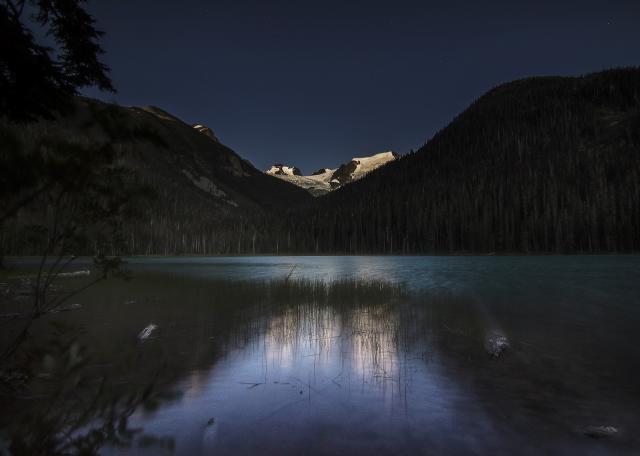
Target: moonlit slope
point(327, 179)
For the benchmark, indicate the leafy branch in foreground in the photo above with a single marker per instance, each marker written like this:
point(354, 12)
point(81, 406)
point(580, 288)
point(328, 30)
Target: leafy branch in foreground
point(35, 80)
point(88, 195)
point(65, 409)
point(60, 198)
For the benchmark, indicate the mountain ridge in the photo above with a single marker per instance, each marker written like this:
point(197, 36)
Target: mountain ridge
point(205, 192)
point(538, 165)
point(325, 180)
point(548, 164)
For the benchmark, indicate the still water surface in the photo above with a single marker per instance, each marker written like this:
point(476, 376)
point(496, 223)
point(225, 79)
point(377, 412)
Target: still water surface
point(387, 373)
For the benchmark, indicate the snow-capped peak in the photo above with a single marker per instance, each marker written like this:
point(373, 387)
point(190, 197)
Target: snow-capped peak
point(360, 166)
point(368, 164)
point(284, 170)
point(206, 131)
point(327, 179)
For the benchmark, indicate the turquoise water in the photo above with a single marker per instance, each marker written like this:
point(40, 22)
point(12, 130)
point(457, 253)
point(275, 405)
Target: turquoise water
point(408, 376)
point(595, 276)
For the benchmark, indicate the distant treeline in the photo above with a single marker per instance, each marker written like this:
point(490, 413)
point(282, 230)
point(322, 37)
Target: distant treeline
point(537, 165)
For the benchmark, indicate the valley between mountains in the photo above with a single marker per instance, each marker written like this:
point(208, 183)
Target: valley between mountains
point(538, 165)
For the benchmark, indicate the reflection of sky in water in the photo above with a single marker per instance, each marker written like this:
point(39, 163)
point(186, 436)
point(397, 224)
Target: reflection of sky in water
point(315, 375)
point(346, 382)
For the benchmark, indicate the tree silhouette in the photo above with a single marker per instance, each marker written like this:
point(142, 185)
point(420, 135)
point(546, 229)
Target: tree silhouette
point(36, 80)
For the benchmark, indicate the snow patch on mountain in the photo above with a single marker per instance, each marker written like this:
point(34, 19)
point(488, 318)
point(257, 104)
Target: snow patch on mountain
point(323, 175)
point(361, 166)
point(326, 179)
point(367, 164)
point(284, 170)
point(206, 131)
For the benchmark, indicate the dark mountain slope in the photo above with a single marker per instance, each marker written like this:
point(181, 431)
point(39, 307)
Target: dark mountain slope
point(206, 195)
point(537, 165)
point(182, 154)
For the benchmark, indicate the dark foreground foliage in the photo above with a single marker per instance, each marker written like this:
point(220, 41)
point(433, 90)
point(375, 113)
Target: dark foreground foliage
point(35, 80)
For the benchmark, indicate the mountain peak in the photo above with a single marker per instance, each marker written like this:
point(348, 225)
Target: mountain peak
point(326, 179)
point(206, 131)
point(283, 170)
point(360, 166)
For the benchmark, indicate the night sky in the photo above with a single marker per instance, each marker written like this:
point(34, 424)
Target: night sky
point(313, 84)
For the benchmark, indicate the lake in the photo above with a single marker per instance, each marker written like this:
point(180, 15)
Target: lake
point(375, 354)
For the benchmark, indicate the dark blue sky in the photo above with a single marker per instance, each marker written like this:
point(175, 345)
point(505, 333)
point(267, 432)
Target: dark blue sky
point(314, 83)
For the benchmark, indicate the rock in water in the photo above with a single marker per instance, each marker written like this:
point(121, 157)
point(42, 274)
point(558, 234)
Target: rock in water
point(495, 343)
point(146, 332)
point(599, 432)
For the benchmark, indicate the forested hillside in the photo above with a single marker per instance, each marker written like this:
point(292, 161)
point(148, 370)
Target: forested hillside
point(537, 165)
point(204, 197)
point(547, 164)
